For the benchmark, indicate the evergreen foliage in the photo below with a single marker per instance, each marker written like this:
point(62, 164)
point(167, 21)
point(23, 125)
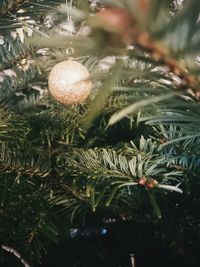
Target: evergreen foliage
point(132, 149)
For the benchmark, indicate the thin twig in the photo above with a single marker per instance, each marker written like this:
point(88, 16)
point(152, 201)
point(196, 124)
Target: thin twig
point(16, 254)
point(75, 194)
point(132, 258)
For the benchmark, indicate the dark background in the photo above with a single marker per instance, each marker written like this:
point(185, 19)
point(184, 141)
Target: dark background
point(91, 248)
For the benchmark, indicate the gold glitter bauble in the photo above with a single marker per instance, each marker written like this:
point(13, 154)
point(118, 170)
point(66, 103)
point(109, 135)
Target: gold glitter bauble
point(69, 82)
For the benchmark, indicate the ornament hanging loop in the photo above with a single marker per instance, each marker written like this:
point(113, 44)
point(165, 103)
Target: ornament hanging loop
point(70, 51)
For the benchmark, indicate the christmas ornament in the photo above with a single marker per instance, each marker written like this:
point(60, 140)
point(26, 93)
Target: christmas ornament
point(69, 82)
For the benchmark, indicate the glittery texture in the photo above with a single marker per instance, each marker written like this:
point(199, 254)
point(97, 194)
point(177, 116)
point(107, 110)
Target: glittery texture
point(69, 82)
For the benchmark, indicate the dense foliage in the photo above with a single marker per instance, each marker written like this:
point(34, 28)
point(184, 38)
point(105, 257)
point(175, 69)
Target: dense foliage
point(130, 152)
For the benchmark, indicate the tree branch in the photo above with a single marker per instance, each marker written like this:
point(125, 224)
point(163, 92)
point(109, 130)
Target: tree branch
point(11, 7)
point(75, 194)
point(16, 254)
point(160, 54)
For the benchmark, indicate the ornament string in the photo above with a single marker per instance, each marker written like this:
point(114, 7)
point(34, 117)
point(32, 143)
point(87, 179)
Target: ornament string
point(69, 50)
point(69, 17)
point(16, 254)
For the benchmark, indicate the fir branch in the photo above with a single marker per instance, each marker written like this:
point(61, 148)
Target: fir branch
point(132, 33)
point(115, 168)
point(12, 127)
point(72, 192)
point(11, 18)
point(14, 53)
point(13, 159)
point(180, 146)
point(160, 54)
point(109, 174)
point(10, 6)
point(19, 87)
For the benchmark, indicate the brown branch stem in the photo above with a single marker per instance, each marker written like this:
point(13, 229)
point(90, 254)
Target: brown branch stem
point(160, 54)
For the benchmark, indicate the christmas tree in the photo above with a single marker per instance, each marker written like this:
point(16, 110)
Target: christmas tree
point(99, 125)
